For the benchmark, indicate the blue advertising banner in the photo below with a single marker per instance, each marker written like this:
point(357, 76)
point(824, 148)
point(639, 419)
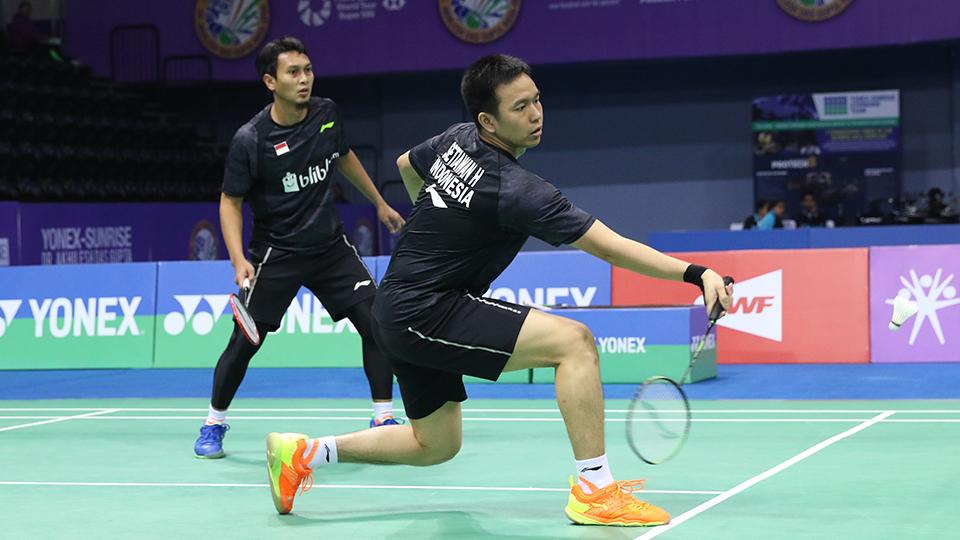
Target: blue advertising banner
point(843, 148)
point(554, 278)
point(92, 316)
point(637, 343)
point(194, 322)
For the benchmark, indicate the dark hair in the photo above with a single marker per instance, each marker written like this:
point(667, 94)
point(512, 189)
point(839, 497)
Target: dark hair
point(761, 204)
point(267, 58)
point(478, 88)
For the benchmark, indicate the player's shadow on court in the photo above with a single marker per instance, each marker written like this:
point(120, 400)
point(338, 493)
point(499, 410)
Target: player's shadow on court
point(448, 524)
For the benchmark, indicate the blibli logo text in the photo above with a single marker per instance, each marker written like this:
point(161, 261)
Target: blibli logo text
point(293, 182)
point(546, 296)
point(108, 316)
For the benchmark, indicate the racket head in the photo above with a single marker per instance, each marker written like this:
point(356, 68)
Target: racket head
point(243, 319)
point(658, 420)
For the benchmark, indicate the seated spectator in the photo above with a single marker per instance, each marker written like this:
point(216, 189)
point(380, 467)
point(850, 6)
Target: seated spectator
point(762, 219)
point(779, 208)
point(810, 215)
point(22, 33)
point(936, 206)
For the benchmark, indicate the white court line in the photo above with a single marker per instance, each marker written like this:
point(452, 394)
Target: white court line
point(471, 419)
point(653, 533)
point(513, 419)
point(328, 486)
point(470, 410)
point(59, 419)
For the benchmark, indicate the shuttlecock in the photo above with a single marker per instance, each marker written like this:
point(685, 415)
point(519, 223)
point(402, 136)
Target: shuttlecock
point(903, 309)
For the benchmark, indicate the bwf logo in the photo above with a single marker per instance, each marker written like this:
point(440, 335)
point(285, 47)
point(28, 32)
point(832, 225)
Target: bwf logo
point(201, 322)
point(757, 307)
point(8, 310)
point(932, 294)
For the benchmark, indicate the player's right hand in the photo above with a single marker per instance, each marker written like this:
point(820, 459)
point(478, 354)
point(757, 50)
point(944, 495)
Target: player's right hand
point(243, 270)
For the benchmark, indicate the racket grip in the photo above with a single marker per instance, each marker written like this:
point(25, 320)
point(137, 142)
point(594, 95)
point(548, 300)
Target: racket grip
point(246, 284)
point(717, 308)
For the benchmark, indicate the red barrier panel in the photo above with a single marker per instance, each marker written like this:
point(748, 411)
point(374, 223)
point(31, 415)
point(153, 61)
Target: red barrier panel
point(790, 306)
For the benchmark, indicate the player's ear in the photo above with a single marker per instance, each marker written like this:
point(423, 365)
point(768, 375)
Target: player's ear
point(487, 122)
point(270, 82)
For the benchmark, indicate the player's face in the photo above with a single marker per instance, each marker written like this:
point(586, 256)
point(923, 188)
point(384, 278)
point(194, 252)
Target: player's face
point(294, 81)
point(519, 121)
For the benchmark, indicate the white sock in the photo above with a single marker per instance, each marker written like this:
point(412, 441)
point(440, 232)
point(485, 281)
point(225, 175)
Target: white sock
point(382, 411)
point(326, 451)
point(596, 471)
point(216, 417)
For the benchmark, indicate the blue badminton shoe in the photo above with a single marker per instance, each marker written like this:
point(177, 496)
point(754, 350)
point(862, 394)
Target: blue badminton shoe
point(210, 443)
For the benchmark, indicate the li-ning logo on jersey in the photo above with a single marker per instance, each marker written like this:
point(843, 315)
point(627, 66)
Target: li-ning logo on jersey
point(456, 174)
point(293, 182)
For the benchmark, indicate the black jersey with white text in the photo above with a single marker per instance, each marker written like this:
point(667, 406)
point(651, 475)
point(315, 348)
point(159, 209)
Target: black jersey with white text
point(284, 173)
point(474, 212)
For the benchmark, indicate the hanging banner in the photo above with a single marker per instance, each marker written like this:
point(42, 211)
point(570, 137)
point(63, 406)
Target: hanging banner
point(844, 148)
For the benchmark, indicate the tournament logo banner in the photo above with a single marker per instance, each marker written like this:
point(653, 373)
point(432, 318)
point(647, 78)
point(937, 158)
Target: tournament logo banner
point(843, 147)
point(789, 306)
point(232, 28)
point(479, 21)
point(928, 276)
point(814, 10)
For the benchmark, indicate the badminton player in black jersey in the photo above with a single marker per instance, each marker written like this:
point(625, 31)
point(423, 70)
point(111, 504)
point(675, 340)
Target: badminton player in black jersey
point(281, 163)
point(475, 206)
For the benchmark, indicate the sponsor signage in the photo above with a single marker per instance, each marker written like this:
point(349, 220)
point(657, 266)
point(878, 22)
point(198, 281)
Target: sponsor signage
point(927, 275)
point(790, 306)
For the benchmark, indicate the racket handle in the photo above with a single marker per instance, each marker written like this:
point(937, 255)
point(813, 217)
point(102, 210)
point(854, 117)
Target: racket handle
point(717, 308)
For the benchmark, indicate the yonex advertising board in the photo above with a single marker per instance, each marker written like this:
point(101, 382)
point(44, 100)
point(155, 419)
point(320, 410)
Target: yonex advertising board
point(194, 323)
point(77, 316)
point(555, 279)
point(927, 275)
point(636, 343)
point(790, 306)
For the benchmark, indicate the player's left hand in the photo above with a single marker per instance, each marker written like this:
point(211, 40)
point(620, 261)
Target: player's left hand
point(390, 218)
point(714, 291)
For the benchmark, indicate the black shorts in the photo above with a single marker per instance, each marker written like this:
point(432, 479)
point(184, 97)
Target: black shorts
point(459, 335)
point(336, 276)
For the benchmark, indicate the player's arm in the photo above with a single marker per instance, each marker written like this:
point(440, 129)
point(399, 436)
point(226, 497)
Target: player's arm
point(231, 226)
point(411, 180)
point(351, 168)
point(602, 242)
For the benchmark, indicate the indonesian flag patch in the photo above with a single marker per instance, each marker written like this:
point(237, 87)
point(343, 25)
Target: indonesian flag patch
point(281, 148)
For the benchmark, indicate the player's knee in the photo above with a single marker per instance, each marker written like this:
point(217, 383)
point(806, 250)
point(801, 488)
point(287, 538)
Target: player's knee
point(581, 347)
point(437, 454)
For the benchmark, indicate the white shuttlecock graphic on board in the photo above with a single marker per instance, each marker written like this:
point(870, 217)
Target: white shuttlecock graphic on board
point(903, 309)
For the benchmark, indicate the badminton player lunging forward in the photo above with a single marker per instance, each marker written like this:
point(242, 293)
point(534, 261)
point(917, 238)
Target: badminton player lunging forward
point(475, 206)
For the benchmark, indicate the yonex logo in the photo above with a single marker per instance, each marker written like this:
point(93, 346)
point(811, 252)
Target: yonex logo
point(8, 310)
point(545, 296)
point(104, 316)
point(932, 294)
point(202, 322)
point(394, 5)
point(757, 307)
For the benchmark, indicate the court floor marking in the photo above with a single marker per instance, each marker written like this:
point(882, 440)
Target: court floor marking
point(689, 514)
point(472, 410)
point(101, 416)
point(332, 486)
point(58, 419)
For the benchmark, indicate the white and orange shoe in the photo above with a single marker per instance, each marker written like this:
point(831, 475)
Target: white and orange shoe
point(288, 468)
point(613, 505)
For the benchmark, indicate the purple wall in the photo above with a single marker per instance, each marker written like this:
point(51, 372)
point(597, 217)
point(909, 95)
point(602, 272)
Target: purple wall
point(546, 31)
